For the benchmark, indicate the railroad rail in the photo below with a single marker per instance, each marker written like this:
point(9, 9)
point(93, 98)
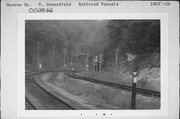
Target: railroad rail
point(60, 104)
point(30, 104)
point(124, 87)
point(36, 88)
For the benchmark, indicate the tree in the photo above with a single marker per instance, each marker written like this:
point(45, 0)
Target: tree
point(136, 36)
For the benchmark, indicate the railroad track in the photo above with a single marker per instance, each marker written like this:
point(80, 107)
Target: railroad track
point(124, 87)
point(52, 102)
point(48, 100)
point(29, 104)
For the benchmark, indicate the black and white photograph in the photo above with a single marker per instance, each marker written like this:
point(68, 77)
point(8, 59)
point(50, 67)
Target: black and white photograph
point(89, 59)
point(103, 64)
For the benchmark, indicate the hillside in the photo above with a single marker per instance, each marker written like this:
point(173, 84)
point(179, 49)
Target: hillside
point(122, 44)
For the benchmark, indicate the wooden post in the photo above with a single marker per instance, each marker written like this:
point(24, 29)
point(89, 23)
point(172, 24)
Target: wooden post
point(133, 98)
point(134, 81)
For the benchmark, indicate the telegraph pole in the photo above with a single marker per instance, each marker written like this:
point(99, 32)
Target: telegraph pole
point(53, 55)
point(71, 57)
point(72, 61)
point(116, 63)
point(38, 55)
point(65, 57)
point(100, 61)
point(87, 61)
point(87, 57)
point(77, 52)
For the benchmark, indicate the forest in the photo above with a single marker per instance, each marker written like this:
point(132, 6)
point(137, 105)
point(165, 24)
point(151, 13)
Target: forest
point(136, 37)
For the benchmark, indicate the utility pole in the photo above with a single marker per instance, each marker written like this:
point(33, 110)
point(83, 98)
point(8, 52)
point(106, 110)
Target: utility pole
point(116, 63)
point(65, 57)
point(53, 55)
point(87, 57)
point(77, 52)
point(38, 55)
point(100, 61)
point(71, 57)
point(72, 61)
point(87, 61)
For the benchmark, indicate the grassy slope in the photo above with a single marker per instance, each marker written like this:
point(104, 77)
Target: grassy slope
point(101, 96)
point(149, 77)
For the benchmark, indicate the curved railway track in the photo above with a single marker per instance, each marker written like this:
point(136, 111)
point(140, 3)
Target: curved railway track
point(51, 102)
point(29, 105)
point(124, 87)
point(46, 99)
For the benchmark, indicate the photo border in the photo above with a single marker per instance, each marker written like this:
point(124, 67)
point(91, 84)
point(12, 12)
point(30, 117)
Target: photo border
point(21, 112)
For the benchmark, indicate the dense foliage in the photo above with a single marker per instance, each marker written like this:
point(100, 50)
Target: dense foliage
point(134, 36)
point(95, 36)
